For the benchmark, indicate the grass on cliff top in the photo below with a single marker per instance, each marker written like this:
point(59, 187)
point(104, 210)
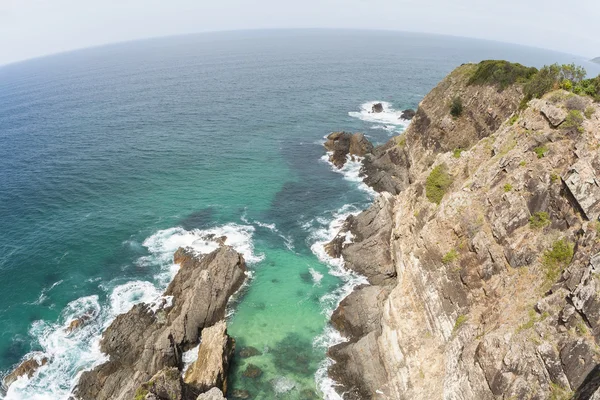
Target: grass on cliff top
point(437, 184)
point(536, 83)
point(501, 74)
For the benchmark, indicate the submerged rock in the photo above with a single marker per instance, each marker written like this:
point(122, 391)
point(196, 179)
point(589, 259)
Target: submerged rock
point(249, 351)
point(343, 144)
point(240, 394)
point(252, 371)
point(140, 342)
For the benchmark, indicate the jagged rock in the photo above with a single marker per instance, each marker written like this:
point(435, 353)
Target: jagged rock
point(377, 108)
point(360, 312)
point(368, 235)
point(584, 187)
point(140, 342)
point(408, 114)
point(555, 115)
point(343, 144)
point(212, 394)
point(165, 385)
point(249, 351)
point(214, 355)
point(28, 367)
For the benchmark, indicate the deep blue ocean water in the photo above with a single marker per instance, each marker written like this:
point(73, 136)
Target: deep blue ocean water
point(112, 157)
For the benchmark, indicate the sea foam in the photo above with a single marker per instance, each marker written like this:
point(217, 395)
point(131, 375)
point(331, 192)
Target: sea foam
point(389, 119)
point(72, 352)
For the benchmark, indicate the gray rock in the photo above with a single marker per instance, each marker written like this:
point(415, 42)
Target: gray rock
point(377, 108)
point(369, 252)
point(212, 394)
point(408, 114)
point(140, 343)
point(343, 144)
point(553, 114)
point(584, 187)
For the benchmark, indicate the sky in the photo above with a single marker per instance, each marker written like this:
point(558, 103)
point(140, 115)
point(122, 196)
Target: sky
point(33, 28)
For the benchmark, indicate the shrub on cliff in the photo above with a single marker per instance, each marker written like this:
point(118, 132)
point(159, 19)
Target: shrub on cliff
point(438, 182)
point(500, 73)
point(456, 107)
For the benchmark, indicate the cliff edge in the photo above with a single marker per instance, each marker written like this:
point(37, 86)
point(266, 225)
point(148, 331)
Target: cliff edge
point(482, 252)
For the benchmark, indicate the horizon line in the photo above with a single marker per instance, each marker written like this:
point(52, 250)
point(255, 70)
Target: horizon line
point(168, 36)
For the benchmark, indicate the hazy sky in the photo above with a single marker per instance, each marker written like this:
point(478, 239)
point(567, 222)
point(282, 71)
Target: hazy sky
point(31, 28)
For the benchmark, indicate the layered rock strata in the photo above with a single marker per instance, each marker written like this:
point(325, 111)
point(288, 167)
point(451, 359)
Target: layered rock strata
point(492, 293)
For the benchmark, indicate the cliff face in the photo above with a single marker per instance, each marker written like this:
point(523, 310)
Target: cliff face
point(492, 293)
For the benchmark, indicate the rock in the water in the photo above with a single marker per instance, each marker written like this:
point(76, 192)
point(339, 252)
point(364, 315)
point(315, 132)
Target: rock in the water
point(141, 342)
point(214, 355)
point(249, 351)
point(78, 322)
point(27, 367)
point(240, 394)
point(212, 394)
point(252, 371)
point(367, 238)
point(343, 144)
point(377, 108)
point(408, 114)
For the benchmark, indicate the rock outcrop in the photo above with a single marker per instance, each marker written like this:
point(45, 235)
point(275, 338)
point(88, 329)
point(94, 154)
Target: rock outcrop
point(27, 368)
point(343, 144)
point(377, 108)
point(142, 343)
point(408, 114)
point(492, 293)
point(392, 167)
point(214, 355)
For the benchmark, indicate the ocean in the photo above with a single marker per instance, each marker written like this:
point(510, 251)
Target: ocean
point(113, 157)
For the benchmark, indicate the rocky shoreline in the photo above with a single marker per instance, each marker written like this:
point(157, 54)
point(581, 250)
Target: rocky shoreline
point(145, 345)
point(488, 291)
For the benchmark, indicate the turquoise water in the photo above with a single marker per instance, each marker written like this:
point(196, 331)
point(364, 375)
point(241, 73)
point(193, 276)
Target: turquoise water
point(112, 157)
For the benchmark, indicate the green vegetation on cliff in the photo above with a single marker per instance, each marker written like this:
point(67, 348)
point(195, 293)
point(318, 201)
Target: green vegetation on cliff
point(501, 73)
point(438, 182)
point(536, 83)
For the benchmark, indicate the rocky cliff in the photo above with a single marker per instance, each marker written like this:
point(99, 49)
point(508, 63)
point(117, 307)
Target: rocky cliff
point(482, 252)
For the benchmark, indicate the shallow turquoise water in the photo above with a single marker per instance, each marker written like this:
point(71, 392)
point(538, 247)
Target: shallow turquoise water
point(104, 152)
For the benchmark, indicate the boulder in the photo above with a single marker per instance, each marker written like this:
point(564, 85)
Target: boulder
point(555, 115)
point(214, 355)
point(408, 114)
point(27, 367)
point(377, 108)
point(585, 188)
point(78, 322)
point(212, 394)
point(143, 341)
point(342, 144)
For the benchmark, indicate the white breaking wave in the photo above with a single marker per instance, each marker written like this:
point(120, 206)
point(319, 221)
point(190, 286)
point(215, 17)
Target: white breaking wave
point(329, 302)
point(70, 352)
point(351, 171)
point(389, 119)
